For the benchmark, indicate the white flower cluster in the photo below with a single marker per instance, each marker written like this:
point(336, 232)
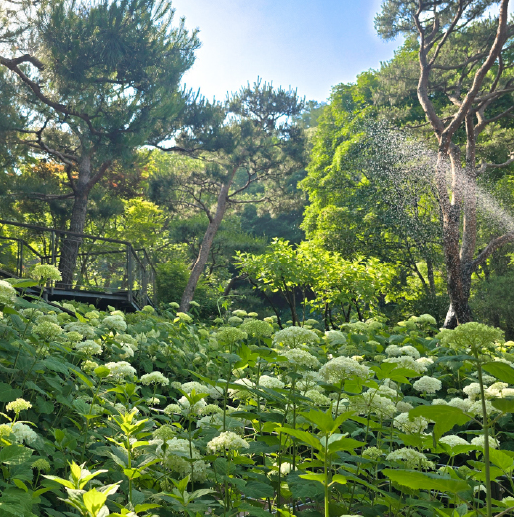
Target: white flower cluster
point(257, 328)
point(18, 405)
point(427, 385)
point(293, 337)
point(7, 293)
point(120, 370)
point(301, 358)
point(371, 402)
point(46, 272)
point(227, 441)
point(213, 391)
point(341, 368)
point(23, 433)
point(406, 361)
point(411, 458)
point(396, 351)
point(230, 335)
point(47, 330)
point(270, 382)
point(154, 378)
point(479, 441)
point(453, 440)
point(318, 398)
point(178, 462)
point(241, 394)
point(88, 347)
point(195, 409)
point(415, 426)
point(335, 337)
point(372, 453)
point(115, 322)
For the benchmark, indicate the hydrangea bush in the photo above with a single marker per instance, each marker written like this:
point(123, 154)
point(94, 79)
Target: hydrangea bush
point(154, 414)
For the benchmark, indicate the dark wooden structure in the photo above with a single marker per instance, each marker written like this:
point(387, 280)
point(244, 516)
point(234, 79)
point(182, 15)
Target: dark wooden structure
point(108, 271)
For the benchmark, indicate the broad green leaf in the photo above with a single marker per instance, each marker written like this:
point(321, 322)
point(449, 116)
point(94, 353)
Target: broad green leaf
point(94, 500)
point(257, 490)
point(502, 460)
point(304, 436)
point(501, 371)
point(320, 478)
point(445, 417)
point(338, 478)
point(324, 420)
point(422, 481)
point(8, 394)
point(344, 444)
point(504, 405)
point(102, 371)
point(15, 454)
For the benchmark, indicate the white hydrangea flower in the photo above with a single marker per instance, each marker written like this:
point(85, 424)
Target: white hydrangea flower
point(403, 407)
point(230, 335)
point(235, 320)
point(178, 463)
point(335, 337)
point(371, 402)
point(240, 313)
point(463, 404)
point(426, 319)
point(89, 347)
point(406, 361)
point(154, 378)
point(299, 357)
point(46, 272)
point(453, 440)
point(270, 382)
point(411, 458)
point(18, 405)
point(47, 330)
point(479, 441)
point(23, 433)
point(195, 409)
point(294, 337)
point(115, 322)
point(427, 385)
point(475, 408)
point(7, 293)
point(83, 328)
point(404, 424)
point(496, 390)
point(439, 402)
point(341, 368)
point(425, 361)
point(121, 369)
point(172, 409)
point(372, 453)
point(227, 440)
point(318, 398)
point(285, 468)
point(213, 391)
point(257, 328)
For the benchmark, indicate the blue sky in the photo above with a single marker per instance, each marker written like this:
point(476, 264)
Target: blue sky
point(305, 44)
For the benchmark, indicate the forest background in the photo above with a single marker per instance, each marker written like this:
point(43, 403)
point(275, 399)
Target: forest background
point(145, 160)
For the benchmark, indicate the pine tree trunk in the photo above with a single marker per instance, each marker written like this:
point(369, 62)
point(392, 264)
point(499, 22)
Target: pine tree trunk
point(206, 245)
point(71, 244)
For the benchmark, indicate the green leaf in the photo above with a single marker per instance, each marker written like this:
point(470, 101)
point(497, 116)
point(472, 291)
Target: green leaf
point(504, 405)
point(15, 454)
point(20, 484)
point(257, 490)
point(501, 371)
point(445, 417)
point(502, 460)
point(338, 478)
point(421, 481)
point(344, 444)
point(324, 420)
point(304, 436)
point(8, 394)
point(320, 478)
point(94, 500)
point(102, 372)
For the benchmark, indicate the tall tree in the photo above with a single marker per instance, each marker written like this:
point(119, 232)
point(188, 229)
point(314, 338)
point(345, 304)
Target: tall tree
point(253, 140)
point(465, 57)
point(99, 81)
